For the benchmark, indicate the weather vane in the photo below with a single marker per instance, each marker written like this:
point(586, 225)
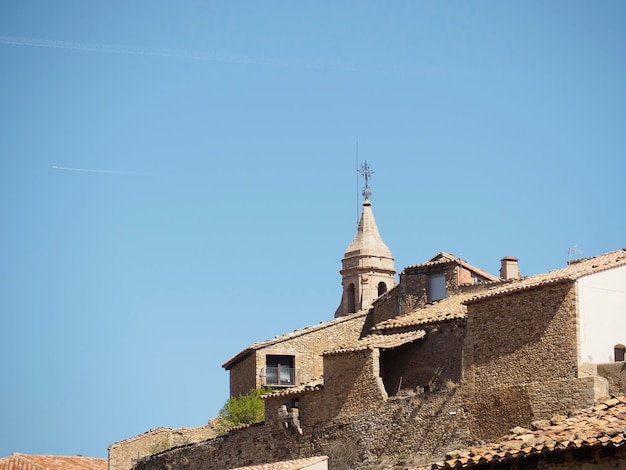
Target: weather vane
point(366, 172)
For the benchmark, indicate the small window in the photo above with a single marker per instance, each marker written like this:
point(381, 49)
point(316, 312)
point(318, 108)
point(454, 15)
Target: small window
point(436, 287)
point(279, 371)
point(382, 288)
point(619, 352)
point(351, 292)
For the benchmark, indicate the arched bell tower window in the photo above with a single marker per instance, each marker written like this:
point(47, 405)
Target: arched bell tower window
point(619, 352)
point(351, 298)
point(382, 288)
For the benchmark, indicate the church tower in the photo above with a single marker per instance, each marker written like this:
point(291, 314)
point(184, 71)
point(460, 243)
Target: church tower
point(367, 266)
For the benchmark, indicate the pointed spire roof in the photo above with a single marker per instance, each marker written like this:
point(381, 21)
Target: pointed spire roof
point(367, 240)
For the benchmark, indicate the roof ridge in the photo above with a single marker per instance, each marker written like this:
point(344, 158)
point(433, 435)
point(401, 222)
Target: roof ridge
point(571, 272)
point(294, 333)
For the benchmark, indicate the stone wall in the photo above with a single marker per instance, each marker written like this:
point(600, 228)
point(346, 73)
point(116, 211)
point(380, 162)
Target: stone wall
point(352, 384)
point(520, 359)
point(615, 373)
point(243, 376)
point(124, 454)
point(395, 303)
point(406, 430)
point(430, 363)
point(526, 336)
point(496, 410)
point(309, 405)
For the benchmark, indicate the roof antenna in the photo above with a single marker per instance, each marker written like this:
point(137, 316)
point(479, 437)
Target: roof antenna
point(570, 251)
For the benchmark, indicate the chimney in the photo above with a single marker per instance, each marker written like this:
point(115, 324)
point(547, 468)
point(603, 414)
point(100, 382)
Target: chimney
point(509, 268)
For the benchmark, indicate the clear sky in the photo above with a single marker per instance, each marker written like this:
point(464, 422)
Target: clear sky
point(178, 179)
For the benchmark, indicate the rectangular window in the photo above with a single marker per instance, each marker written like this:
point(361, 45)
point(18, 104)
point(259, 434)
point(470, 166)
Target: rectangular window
point(280, 371)
point(436, 287)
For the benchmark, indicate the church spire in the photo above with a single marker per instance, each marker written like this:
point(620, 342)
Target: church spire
point(367, 266)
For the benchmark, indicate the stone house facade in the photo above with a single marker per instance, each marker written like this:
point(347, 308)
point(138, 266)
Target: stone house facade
point(292, 359)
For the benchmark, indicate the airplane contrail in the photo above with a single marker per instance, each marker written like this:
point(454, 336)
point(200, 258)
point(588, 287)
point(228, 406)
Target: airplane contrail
point(96, 170)
point(178, 53)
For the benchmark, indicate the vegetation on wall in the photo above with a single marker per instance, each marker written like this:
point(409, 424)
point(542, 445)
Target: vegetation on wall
point(244, 409)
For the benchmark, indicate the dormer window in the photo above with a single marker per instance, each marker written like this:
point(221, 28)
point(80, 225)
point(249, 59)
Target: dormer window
point(619, 352)
point(436, 287)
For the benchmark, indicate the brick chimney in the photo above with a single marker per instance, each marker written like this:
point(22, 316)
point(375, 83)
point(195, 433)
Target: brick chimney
point(509, 268)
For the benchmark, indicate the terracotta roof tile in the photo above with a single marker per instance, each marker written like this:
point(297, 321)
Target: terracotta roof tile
point(381, 341)
point(450, 308)
point(287, 465)
point(309, 329)
point(313, 386)
point(603, 425)
point(51, 462)
point(573, 271)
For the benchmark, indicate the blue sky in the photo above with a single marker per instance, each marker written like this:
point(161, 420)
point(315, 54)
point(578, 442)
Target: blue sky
point(178, 179)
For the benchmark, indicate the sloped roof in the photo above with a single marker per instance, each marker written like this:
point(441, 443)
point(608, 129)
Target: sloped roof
point(450, 308)
point(379, 341)
point(367, 240)
point(309, 329)
point(603, 425)
point(443, 258)
point(573, 271)
point(312, 386)
point(298, 464)
point(51, 462)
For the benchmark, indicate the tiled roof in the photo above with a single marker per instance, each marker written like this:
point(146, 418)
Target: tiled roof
point(450, 308)
point(442, 258)
point(380, 341)
point(287, 336)
point(313, 386)
point(287, 465)
point(51, 462)
point(603, 425)
point(573, 271)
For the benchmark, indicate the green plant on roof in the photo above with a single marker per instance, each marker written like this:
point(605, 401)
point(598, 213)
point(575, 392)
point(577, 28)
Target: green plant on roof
point(244, 409)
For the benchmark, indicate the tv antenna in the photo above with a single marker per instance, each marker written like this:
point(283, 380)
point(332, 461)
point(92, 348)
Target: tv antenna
point(570, 251)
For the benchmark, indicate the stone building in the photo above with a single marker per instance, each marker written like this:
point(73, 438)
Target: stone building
point(449, 357)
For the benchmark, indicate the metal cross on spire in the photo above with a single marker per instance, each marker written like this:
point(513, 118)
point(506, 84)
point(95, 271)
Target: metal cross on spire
point(366, 172)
